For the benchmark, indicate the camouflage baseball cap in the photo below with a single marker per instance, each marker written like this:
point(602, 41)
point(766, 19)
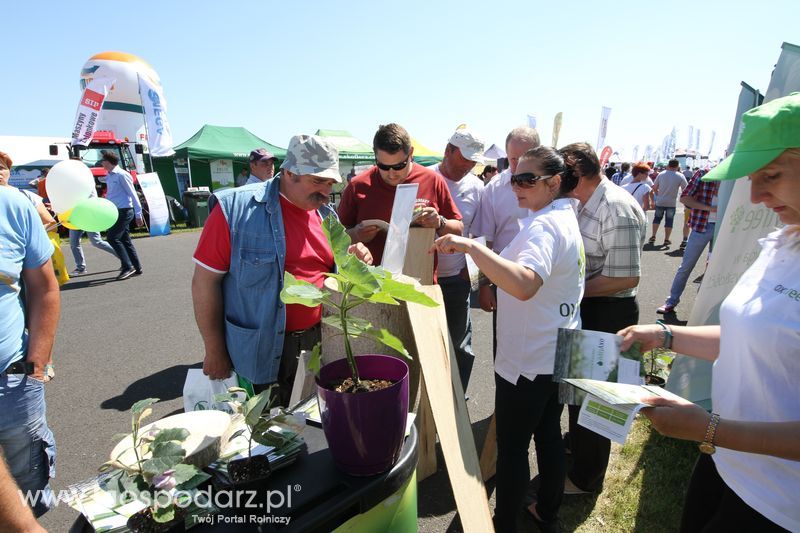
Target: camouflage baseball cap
point(310, 154)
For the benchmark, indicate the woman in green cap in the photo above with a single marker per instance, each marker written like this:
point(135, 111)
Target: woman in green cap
point(748, 476)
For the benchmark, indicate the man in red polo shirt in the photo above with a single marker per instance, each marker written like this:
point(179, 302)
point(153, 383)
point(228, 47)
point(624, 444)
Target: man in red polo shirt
point(370, 195)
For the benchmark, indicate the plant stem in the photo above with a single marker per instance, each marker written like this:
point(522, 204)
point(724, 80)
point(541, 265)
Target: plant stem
point(351, 361)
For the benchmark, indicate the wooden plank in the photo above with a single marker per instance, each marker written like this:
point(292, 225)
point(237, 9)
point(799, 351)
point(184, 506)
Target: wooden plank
point(418, 262)
point(489, 452)
point(439, 370)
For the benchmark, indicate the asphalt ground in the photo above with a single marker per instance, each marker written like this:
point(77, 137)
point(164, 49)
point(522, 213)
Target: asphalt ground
point(122, 341)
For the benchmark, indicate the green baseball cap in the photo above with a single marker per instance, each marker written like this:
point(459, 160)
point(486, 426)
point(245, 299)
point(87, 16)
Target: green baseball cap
point(766, 131)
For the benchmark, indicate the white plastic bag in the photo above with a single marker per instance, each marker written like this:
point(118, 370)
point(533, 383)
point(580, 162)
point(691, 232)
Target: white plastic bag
point(199, 391)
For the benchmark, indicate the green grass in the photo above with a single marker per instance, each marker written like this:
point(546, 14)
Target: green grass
point(644, 487)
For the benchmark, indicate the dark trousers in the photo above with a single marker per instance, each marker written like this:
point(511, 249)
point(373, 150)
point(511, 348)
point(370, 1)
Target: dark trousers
point(455, 294)
point(119, 237)
point(293, 344)
point(529, 408)
point(589, 450)
point(712, 506)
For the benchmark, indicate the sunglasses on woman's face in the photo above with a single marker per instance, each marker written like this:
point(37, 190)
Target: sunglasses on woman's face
point(527, 179)
point(399, 166)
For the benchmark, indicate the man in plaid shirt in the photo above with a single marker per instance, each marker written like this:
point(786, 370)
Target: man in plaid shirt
point(701, 197)
point(613, 227)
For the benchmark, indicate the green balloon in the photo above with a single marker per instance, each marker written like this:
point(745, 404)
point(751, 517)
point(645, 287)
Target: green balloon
point(94, 214)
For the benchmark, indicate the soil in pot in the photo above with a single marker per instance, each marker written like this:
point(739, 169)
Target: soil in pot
point(365, 385)
point(658, 381)
point(143, 522)
point(249, 470)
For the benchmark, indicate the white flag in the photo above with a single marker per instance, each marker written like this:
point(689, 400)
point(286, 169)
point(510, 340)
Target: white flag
point(89, 110)
point(532, 121)
point(159, 135)
point(601, 135)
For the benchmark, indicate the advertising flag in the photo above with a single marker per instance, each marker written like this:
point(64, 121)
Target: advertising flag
point(635, 153)
point(159, 135)
point(711, 145)
point(89, 110)
point(532, 121)
point(605, 155)
point(557, 128)
point(156, 202)
point(601, 135)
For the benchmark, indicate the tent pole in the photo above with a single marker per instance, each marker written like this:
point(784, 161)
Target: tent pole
point(189, 168)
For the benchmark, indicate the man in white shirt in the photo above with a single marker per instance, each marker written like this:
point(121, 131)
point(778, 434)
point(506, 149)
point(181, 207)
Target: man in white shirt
point(666, 189)
point(262, 166)
point(463, 151)
point(499, 215)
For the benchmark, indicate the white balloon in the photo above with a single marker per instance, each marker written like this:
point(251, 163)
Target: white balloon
point(68, 183)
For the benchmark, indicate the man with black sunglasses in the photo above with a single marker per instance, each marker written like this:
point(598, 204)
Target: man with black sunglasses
point(370, 195)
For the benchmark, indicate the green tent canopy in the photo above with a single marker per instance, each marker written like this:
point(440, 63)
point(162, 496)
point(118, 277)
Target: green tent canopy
point(350, 148)
point(223, 142)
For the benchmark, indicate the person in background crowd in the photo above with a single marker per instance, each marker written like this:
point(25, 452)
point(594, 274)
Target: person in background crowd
point(241, 179)
point(41, 184)
point(262, 166)
point(622, 174)
point(29, 328)
point(688, 172)
point(613, 227)
point(121, 193)
point(252, 236)
point(747, 477)
point(540, 269)
point(639, 188)
point(77, 250)
point(370, 195)
point(488, 173)
point(500, 213)
point(701, 197)
point(666, 189)
point(463, 151)
point(611, 169)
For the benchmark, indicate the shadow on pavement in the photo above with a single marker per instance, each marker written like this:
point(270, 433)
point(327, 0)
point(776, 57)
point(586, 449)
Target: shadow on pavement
point(89, 280)
point(166, 384)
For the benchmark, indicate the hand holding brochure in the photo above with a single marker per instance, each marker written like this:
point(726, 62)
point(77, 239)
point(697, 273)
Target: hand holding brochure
point(609, 408)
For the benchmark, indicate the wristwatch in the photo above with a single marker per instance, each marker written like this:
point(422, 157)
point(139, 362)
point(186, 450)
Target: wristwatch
point(48, 373)
point(707, 446)
point(442, 222)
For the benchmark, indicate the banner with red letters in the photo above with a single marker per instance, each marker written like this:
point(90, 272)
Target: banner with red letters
point(89, 110)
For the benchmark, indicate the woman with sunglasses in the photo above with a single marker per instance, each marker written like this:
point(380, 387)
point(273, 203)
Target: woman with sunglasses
point(748, 476)
point(540, 281)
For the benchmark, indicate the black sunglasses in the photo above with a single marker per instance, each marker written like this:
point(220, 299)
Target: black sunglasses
point(398, 166)
point(527, 179)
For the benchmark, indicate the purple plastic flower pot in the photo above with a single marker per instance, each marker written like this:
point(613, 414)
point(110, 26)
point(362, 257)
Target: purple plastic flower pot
point(365, 430)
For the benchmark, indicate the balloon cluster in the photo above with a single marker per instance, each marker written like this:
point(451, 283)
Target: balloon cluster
point(69, 187)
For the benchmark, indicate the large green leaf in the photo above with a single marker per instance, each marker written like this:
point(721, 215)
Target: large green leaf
point(255, 406)
point(337, 237)
point(406, 292)
point(141, 405)
point(164, 513)
point(297, 291)
point(171, 434)
point(183, 473)
point(355, 325)
point(165, 456)
point(382, 335)
point(199, 478)
point(355, 271)
point(383, 298)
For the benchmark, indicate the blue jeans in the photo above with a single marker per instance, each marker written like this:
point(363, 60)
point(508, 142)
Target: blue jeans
point(77, 251)
point(119, 237)
point(28, 444)
point(455, 292)
point(694, 249)
point(660, 212)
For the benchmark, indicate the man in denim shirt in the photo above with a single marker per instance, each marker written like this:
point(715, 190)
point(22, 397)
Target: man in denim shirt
point(121, 193)
point(253, 234)
point(25, 352)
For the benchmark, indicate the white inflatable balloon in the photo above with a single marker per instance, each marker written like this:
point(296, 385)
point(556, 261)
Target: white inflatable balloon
point(68, 183)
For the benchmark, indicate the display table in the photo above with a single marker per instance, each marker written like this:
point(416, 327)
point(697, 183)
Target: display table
point(315, 496)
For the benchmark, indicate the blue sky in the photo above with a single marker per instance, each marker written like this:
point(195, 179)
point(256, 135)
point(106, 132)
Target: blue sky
point(281, 68)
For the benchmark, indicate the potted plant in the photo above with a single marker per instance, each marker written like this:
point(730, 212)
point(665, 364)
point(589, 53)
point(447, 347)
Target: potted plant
point(157, 477)
point(656, 363)
point(363, 400)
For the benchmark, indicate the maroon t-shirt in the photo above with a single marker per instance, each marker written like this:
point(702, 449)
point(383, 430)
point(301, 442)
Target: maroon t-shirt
point(367, 196)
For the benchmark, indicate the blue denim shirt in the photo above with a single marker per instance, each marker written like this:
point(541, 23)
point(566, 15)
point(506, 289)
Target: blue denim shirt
point(255, 316)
